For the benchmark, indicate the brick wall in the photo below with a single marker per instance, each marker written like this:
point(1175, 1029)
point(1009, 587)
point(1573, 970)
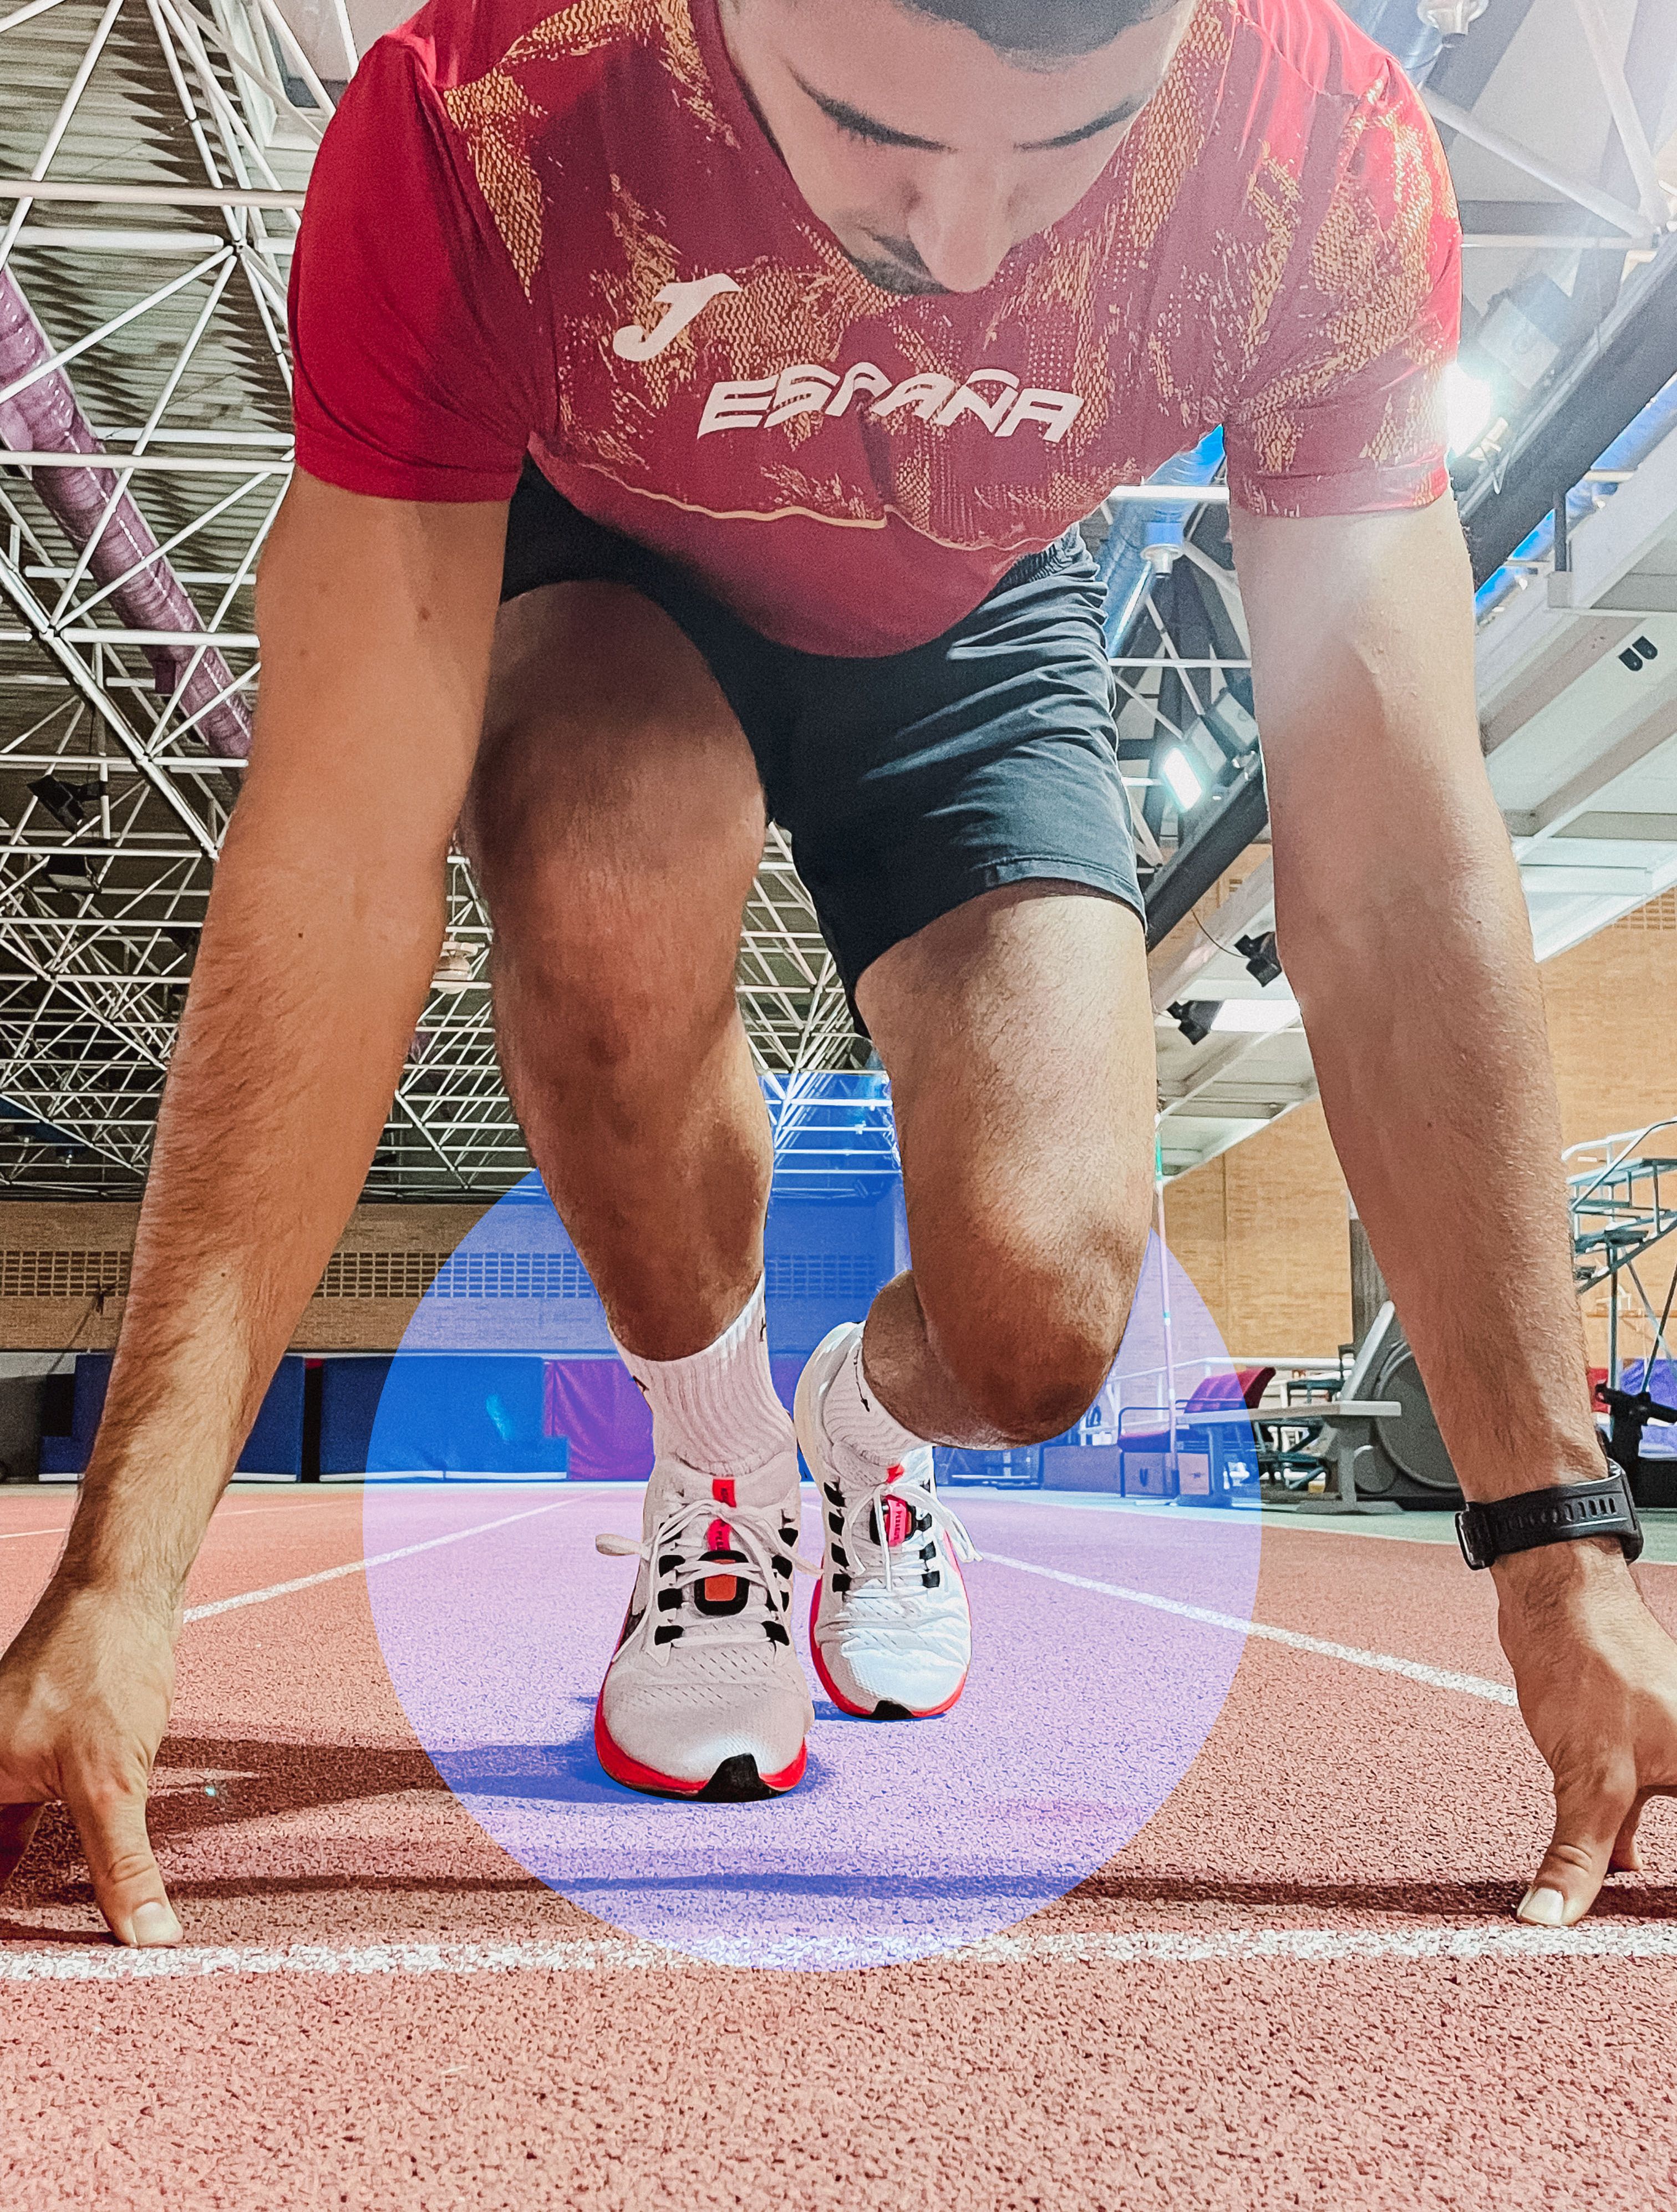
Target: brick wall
point(64, 1271)
point(1263, 1229)
point(1610, 1005)
point(1263, 1232)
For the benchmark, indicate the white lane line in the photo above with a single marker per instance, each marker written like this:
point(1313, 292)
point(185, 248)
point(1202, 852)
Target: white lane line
point(1497, 1942)
point(359, 1566)
point(1383, 1663)
point(217, 1521)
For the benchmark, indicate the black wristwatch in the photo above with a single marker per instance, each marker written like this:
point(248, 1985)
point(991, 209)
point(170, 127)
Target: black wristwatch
point(1558, 1516)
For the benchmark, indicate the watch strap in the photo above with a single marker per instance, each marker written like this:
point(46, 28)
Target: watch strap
point(1564, 1513)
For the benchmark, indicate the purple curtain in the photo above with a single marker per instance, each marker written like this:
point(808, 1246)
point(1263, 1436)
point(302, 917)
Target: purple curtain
point(595, 1403)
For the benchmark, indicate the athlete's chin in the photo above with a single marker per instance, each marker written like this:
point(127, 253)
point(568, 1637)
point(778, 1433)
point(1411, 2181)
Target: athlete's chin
point(892, 277)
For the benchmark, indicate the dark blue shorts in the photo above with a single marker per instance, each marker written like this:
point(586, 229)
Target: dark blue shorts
point(909, 784)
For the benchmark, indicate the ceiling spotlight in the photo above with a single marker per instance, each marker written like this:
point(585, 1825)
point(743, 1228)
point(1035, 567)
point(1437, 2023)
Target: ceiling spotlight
point(1259, 954)
point(69, 871)
point(63, 801)
point(1187, 787)
point(1194, 1017)
point(453, 969)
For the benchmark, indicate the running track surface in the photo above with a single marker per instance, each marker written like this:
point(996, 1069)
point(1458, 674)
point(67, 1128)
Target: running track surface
point(1299, 1985)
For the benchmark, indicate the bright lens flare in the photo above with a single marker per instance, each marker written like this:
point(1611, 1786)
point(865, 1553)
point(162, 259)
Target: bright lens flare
point(1256, 1017)
point(1178, 772)
point(1470, 405)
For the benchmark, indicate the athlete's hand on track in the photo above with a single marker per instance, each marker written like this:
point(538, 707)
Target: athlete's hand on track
point(84, 1700)
point(1597, 1681)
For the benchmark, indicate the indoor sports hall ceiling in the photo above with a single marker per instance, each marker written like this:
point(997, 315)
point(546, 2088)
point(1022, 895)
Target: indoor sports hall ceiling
point(165, 145)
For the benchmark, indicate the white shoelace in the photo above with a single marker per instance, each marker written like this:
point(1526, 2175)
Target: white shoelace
point(681, 1537)
point(891, 1603)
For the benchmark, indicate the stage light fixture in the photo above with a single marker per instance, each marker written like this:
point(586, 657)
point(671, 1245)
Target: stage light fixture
point(453, 969)
point(1259, 954)
point(64, 801)
point(1194, 1017)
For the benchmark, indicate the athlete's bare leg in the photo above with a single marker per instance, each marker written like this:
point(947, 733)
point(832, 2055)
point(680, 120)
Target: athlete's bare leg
point(1018, 1034)
point(614, 823)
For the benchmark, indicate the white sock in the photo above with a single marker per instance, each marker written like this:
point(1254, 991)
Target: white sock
point(716, 1409)
point(852, 1415)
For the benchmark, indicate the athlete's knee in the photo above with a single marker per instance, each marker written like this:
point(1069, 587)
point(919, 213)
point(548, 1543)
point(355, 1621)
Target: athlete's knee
point(1030, 1345)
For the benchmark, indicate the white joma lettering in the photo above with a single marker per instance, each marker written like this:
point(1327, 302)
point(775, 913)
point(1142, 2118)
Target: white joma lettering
point(993, 395)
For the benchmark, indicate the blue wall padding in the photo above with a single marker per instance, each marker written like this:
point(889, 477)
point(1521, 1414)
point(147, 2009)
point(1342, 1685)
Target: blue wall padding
point(93, 1375)
point(480, 1415)
point(350, 1392)
point(517, 1414)
point(275, 1445)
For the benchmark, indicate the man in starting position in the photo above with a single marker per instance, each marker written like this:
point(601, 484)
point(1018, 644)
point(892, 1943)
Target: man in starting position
point(755, 358)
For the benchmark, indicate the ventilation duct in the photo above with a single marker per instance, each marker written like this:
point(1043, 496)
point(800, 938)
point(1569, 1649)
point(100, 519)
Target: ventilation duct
point(44, 418)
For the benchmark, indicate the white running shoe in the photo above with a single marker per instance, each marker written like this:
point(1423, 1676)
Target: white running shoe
point(704, 1696)
point(889, 1631)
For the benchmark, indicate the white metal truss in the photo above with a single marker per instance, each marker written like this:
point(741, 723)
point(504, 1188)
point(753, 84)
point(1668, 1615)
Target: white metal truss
point(153, 159)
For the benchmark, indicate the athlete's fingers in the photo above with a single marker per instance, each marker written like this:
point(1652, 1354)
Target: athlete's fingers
point(1590, 1812)
point(112, 1823)
point(17, 1826)
point(1627, 1850)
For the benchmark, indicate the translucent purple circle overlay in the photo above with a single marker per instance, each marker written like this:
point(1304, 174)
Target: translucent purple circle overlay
point(1106, 1632)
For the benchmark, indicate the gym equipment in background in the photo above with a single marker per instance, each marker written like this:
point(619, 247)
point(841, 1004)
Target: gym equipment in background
point(1622, 1201)
point(1385, 1458)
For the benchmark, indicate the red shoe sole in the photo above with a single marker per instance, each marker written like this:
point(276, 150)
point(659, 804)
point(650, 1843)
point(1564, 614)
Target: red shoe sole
point(634, 1776)
point(866, 1712)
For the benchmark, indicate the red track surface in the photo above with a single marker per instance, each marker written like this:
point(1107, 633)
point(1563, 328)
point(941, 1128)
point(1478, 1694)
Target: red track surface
point(1384, 1814)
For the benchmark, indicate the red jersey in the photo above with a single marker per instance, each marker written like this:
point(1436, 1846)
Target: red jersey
point(563, 231)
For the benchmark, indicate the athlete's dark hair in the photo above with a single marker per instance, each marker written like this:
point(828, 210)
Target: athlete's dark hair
point(1043, 31)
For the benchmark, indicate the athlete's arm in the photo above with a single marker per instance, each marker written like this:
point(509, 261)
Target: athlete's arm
point(322, 933)
point(1400, 920)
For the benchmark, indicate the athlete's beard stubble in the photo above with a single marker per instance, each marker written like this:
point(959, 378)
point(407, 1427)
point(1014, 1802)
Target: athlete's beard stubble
point(902, 272)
